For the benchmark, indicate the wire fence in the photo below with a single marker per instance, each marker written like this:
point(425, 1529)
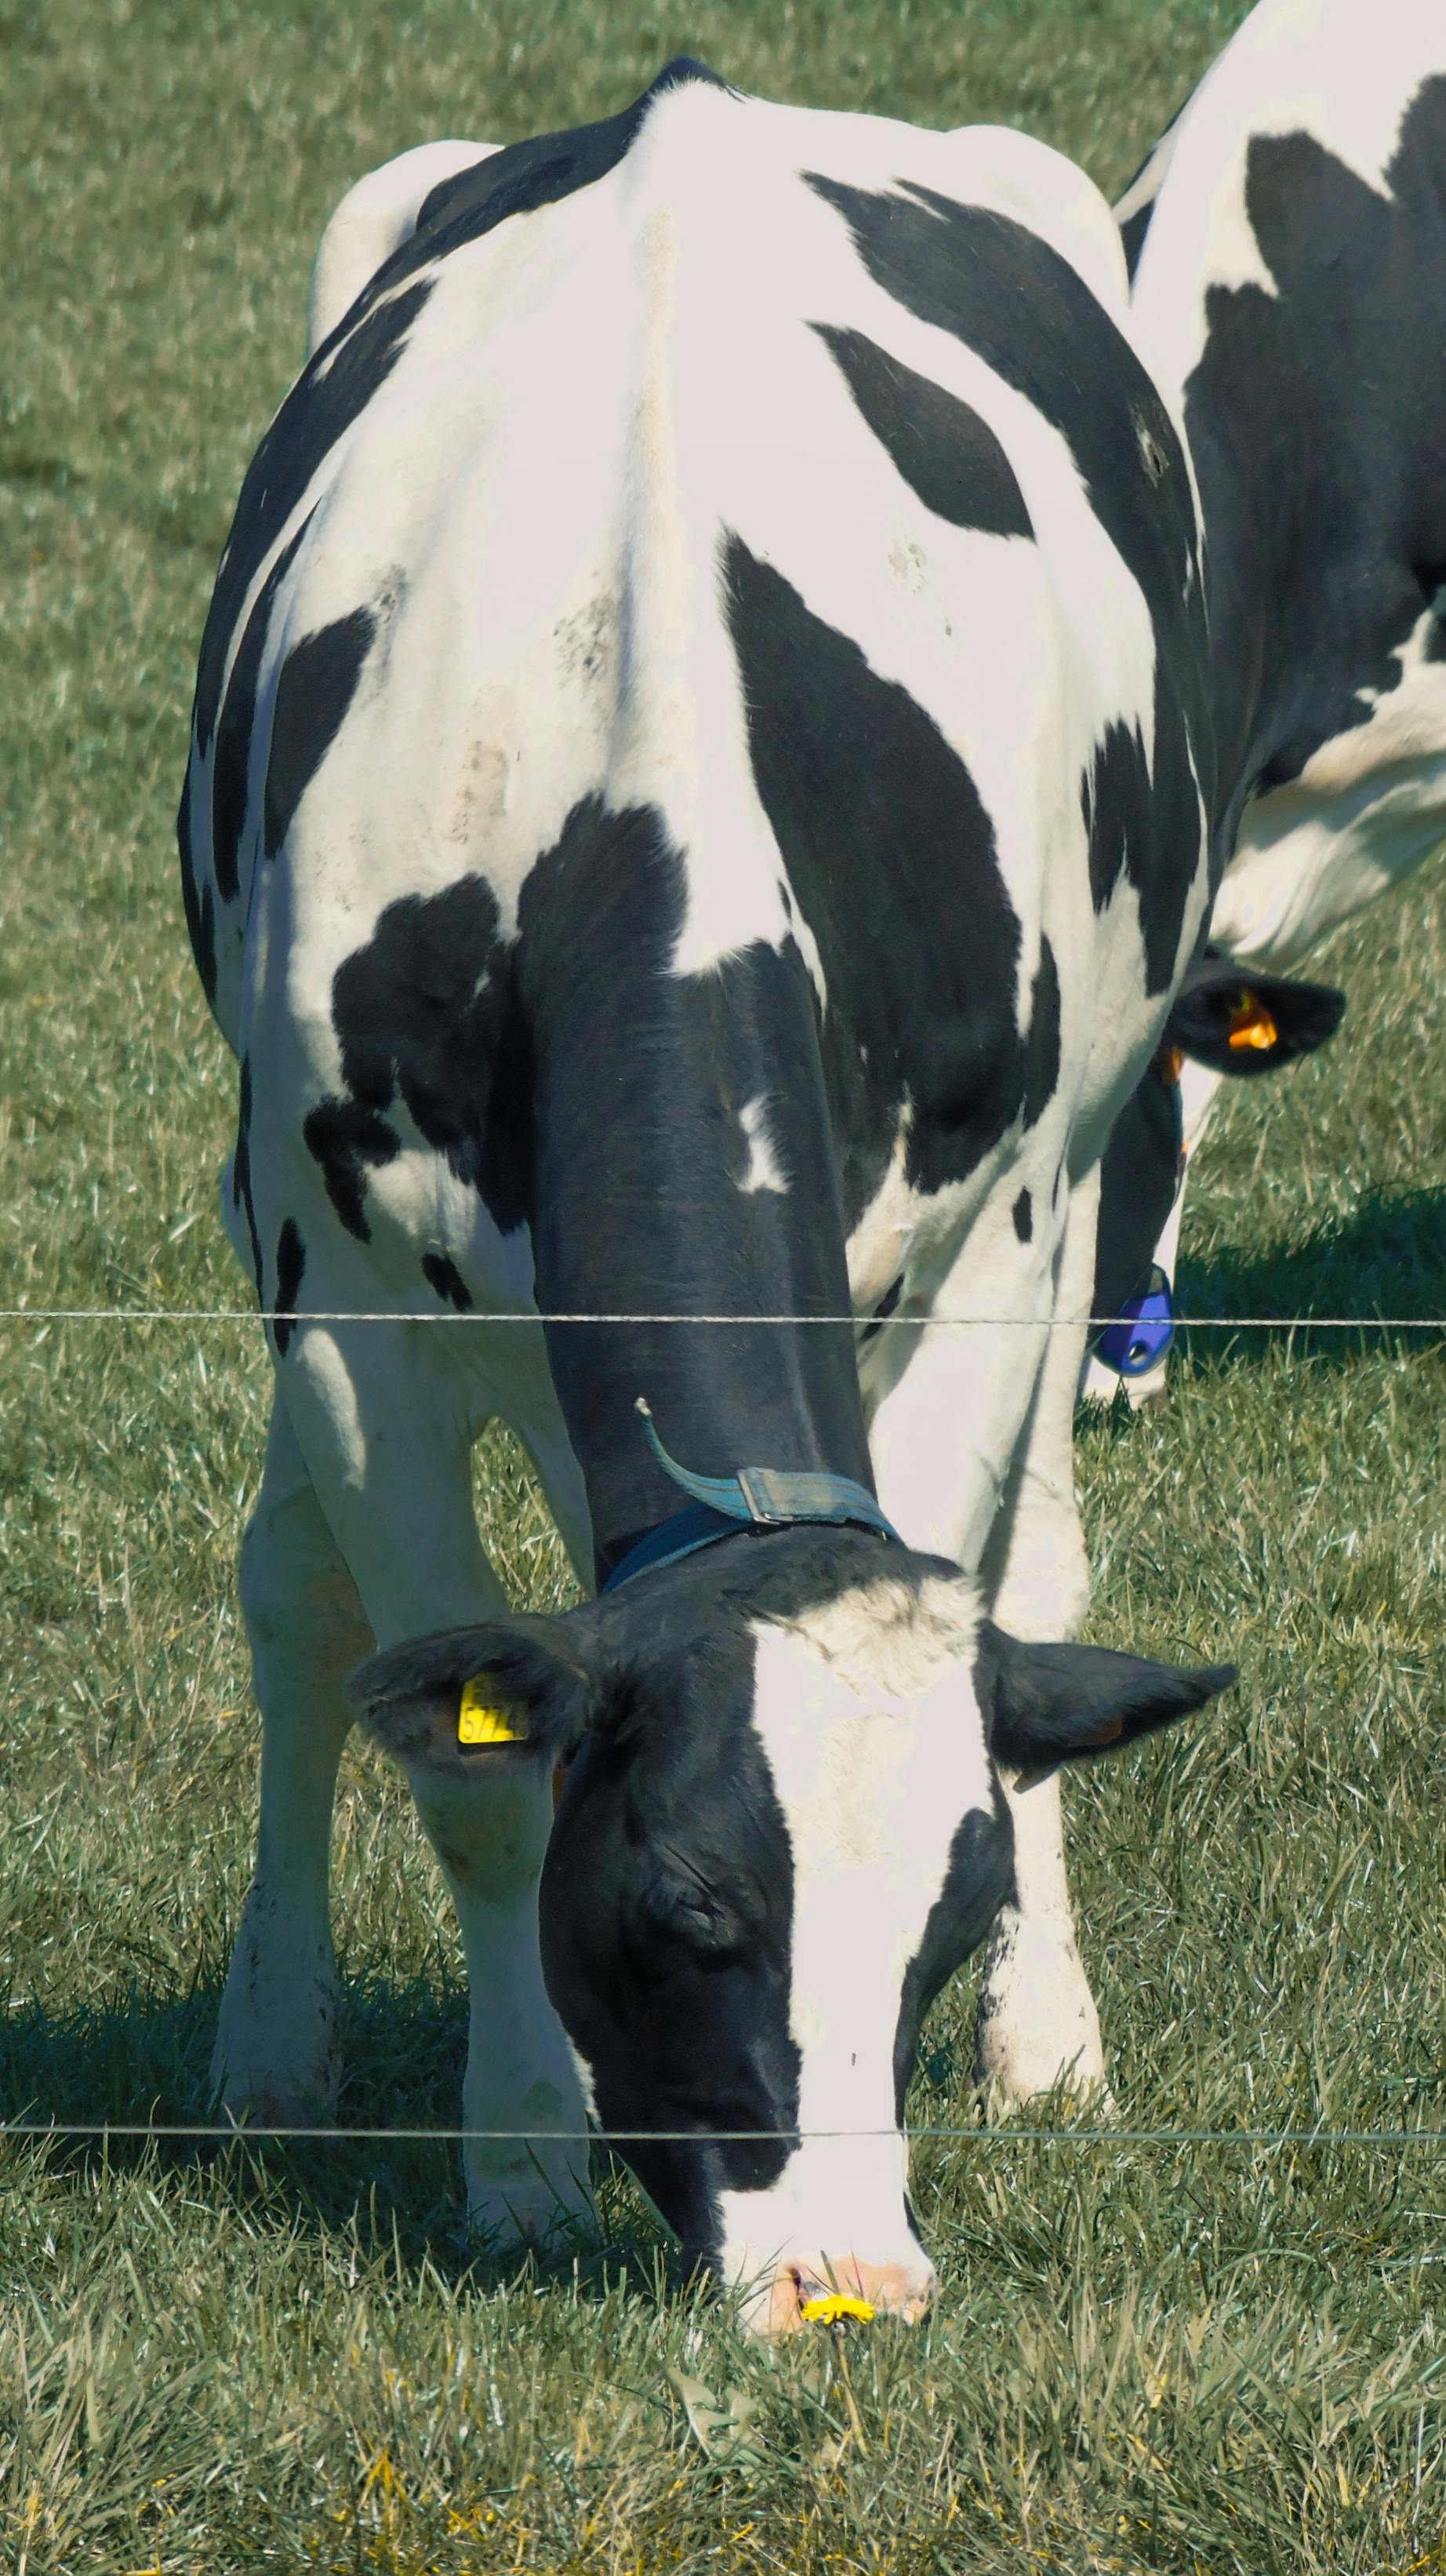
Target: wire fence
point(862, 1322)
point(255, 2133)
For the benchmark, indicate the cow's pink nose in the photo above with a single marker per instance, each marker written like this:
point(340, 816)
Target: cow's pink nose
point(799, 2293)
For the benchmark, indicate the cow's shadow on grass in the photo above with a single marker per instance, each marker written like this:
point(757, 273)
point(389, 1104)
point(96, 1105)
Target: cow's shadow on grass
point(144, 2065)
point(1387, 1259)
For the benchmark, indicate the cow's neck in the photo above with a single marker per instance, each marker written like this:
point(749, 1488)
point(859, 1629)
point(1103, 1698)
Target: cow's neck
point(682, 1167)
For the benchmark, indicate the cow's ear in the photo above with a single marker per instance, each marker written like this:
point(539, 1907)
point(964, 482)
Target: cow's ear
point(450, 1704)
point(1049, 1704)
point(1237, 1022)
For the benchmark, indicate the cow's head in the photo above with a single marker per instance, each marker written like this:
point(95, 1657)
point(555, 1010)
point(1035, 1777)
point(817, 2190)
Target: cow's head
point(782, 1831)
point(1232, 1021)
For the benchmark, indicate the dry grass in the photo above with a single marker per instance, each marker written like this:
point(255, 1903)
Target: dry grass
point(1178, 2357)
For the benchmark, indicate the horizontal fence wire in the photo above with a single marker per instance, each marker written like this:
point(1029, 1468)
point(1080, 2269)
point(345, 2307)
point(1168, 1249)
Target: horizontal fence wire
point(240, 2133)
point(858, 1323)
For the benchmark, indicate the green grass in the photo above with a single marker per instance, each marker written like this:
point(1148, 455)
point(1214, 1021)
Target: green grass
point(1172, 2357)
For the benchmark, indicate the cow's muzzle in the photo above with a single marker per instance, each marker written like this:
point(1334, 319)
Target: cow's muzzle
point(796, 2294)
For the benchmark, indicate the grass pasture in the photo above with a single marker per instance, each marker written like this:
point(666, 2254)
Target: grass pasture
point(1175, 2356)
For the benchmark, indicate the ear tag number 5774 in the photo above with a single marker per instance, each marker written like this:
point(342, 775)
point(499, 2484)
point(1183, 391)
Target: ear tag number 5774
point(479, 1723)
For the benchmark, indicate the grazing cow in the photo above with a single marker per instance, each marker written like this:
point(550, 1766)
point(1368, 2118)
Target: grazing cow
point(1288, 245)
point(696, 810)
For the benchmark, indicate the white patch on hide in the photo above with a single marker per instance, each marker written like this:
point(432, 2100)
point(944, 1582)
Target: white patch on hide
point(763, 1172)
point(875, 1747)
point(1368, 808)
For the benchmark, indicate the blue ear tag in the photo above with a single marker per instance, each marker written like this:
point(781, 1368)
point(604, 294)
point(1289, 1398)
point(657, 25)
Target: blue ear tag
point(1135, 1344)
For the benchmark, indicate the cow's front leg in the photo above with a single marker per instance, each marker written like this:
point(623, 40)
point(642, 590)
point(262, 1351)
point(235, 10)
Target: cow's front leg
point(276, 2059)
point(1038, 2027)
point(490, 1838)
point(382, 1416)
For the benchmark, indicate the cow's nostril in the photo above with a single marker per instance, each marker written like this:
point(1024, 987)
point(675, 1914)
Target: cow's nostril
point(786, 2300)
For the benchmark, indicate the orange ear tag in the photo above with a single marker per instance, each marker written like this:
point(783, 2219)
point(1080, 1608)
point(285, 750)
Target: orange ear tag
point(477, 1723)
point(1251, 1025)
point(827, 2312)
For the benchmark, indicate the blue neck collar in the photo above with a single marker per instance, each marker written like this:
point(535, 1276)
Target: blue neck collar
point(757, 1498)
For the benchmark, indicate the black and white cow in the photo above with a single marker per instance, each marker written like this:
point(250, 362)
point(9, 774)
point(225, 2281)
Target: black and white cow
point(697, 809)
point(1288, 245)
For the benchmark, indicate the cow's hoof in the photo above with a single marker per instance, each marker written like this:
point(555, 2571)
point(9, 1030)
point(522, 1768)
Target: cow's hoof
point(537, 2209)
point(1098, 1384)
point(277, 2059)
point(262, 2107)
point(1101, 1385)
point(272, 2094)
point(1065, 2100)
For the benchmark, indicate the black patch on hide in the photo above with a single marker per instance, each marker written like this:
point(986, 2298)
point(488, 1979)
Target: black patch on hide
point(945, 452)
point(290, 1268)
point(442, 1273)
point(233, 733)
point(197, 900)
point(541, 172)
point(884, 1309)
point(334, 391)
point(879, 822)
point(1018, 304)
point(241, 1194)
point(314, 688)
point(421, 1012)
point(1013, 299)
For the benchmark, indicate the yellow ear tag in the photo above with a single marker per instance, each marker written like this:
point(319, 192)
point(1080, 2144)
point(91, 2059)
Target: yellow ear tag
point(479, 1724)
point(1251, 1025)
point(827, 2312)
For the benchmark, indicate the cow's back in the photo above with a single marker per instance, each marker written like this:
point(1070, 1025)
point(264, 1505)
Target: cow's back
point(620, 393)
point(1290, 287)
